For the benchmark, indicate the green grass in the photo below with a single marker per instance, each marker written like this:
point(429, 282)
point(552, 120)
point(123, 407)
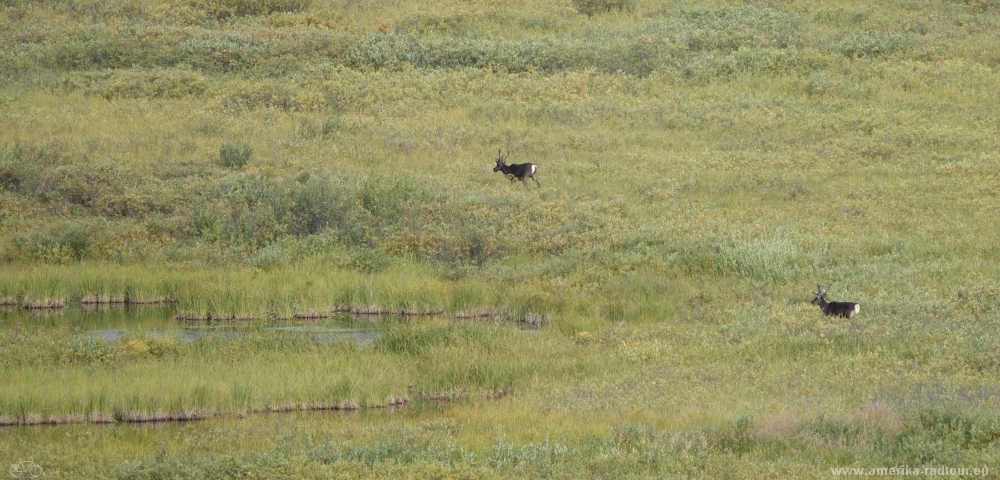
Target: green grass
point(282, 291)
point(61, 376)
point(703, 166)
point(777, 391)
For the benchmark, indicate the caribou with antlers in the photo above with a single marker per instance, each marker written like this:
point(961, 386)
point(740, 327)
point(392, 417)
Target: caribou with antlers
point(840, 309)
point(517, 171)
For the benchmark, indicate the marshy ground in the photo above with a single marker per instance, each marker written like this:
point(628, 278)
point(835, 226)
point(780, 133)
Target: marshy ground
point(643, 313)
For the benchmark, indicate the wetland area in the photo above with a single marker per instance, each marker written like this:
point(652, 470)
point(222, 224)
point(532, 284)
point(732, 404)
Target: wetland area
point(113, 323)
point(204, 202)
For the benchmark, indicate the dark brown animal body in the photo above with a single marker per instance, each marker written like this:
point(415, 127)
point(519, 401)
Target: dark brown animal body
point(516, 171)
point(839, 309)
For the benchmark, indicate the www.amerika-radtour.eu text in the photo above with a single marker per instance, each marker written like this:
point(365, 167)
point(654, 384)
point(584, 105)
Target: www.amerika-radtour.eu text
point(903, 471)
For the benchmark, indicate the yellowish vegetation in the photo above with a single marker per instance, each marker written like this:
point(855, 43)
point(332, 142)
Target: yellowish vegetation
point(703, 166)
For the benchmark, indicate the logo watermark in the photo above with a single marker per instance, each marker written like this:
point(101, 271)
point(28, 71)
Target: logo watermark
point(25, 469)
point(906, 470)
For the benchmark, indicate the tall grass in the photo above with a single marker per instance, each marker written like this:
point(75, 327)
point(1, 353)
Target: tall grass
point(281, 291)
point(63, 376)
point(704, 166)
point(768, 387)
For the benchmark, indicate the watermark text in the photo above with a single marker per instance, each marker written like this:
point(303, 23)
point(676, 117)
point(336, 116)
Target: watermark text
point(906, 471)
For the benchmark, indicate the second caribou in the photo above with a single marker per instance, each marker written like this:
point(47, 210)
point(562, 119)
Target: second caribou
point(516, 171)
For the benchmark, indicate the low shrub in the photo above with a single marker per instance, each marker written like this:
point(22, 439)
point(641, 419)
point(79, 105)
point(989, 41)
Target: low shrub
point(867, 44)
point(62, 243)
point(223, 9)
point(235, 155)
point(595, 7)
point(138, 83)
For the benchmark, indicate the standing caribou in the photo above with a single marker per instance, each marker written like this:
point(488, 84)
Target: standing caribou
point(517, 171)
point(840, 309)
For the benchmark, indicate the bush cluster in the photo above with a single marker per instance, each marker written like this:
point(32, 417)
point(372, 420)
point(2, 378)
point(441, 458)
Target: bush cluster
point(594, 7)
point(241, 211)
point(66, 347)
point(223, 9)
point(662, 43)
point(137, 83)
point(235, 155)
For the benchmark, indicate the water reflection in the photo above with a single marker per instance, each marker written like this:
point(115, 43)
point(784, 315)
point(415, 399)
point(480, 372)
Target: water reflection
point(114, 323)
point(138, 318)
point(316, 333)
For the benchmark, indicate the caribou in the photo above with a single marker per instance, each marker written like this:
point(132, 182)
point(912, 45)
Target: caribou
point(839, 309)
point(516, 171)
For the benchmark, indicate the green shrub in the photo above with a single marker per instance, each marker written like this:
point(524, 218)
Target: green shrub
point(235, 155)
point(318, 205)
point(223, 9)
point(59, 244)
point(10, 177)
point(310, 129)
point(866, 44)
point(138, 83)
point(77, 240)
point(271, 256)
point(729, 29)
point(595, 7)
point(388, 198)
point(23, 167)
point(240, 96)
point(254, 226)
point(369, 260)
point(98, 49)
point(85, 349)
point(140, 347)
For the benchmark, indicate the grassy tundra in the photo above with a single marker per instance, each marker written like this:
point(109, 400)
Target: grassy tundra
point(704, 165)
